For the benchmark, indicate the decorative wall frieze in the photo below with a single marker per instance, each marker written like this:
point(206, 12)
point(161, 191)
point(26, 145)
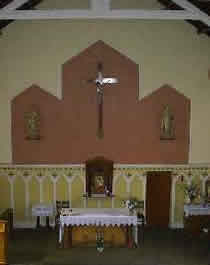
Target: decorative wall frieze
point(117, 167)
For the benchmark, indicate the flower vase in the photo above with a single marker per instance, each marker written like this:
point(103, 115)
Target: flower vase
point(132, 212)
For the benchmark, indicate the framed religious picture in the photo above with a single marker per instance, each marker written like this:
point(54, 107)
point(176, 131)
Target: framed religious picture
point(99, 175)
point(98, 185)
point(207, 188)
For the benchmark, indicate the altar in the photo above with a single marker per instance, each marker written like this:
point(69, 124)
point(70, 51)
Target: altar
point(196, 218)
point(82, 227)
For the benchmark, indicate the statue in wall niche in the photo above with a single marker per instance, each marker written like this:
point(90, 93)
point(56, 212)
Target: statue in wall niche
point(167, 124)
point(32, 125)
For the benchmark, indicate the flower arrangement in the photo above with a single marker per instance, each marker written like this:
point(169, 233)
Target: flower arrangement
point(133, 204)
point(99, 241)
point(192, 191)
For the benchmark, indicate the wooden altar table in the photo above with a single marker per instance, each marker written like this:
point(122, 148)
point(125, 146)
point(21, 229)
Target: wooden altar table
point(82, 228)
point(196, 218)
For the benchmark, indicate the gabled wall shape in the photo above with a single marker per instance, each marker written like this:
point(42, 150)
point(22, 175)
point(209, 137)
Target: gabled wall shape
point(131, 127)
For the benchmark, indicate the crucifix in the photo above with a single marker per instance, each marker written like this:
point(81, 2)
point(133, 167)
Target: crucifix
point(100, 82)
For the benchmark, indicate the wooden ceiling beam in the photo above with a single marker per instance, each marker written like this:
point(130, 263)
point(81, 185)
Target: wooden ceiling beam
point(192, 8)
point(98, 14)
point(14, 5)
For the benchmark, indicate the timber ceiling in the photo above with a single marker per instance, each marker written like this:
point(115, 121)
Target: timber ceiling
point(26, 6)
point(203, 5)
point(201, 8)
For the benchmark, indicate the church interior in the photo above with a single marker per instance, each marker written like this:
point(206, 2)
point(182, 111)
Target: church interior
point(105, 141)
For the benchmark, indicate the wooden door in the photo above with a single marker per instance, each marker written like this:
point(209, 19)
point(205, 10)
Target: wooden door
point(158, 198)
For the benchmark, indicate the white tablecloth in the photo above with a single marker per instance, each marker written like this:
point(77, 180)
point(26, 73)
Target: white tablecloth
point(196, 209)
point(98, 219)
point(42, 209)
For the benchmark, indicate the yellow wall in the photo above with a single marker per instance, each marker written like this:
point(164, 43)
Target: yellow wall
point(74, 190)
point(5, 193)
point(74, 193)
point(166, 51)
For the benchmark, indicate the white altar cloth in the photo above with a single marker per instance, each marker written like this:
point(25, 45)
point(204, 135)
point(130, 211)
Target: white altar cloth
point(98, 219)
point(102, 218)
point(42, 209)
point(196, 209)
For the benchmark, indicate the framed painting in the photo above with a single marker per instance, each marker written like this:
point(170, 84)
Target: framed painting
point(99, 175)
point(207, 188)
point(98, 186)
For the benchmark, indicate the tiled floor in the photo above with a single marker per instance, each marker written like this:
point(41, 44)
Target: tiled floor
point(160, 247)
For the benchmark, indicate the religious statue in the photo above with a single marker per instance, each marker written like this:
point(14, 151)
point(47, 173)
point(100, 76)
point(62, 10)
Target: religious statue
point(32, 125)
point(167, 124)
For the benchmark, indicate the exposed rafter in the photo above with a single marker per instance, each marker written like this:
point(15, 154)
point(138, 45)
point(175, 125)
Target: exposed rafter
point(201, 7)
point(101, 9)
point(91, 14)
point(14, 5)
point(27, 5)
point(192, 8)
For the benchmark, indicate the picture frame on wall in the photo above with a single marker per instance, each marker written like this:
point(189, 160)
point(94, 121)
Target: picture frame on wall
point(99, 184)
point(207, 190)
point(99, 177)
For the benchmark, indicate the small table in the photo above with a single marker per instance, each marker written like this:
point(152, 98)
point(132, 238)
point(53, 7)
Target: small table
point(42, 209)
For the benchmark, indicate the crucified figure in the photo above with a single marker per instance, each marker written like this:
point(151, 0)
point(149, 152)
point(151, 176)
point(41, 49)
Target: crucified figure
point(100, 82)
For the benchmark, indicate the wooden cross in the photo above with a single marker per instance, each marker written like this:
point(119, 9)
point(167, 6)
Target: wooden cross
point(100, 132)
point(100, 82)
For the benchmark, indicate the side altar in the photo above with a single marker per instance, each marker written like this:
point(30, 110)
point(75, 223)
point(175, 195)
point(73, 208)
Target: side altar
point(196, 218)
point(82, 227)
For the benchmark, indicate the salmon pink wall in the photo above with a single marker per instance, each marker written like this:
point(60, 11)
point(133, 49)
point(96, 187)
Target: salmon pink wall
point(131, 127)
